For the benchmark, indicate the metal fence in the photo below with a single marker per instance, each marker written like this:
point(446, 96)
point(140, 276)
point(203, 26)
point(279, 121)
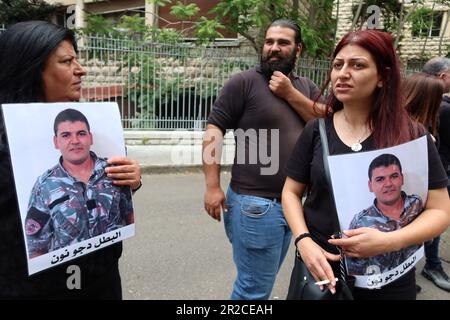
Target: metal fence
point(158, 86)
point(169, 86)
point(166, 86)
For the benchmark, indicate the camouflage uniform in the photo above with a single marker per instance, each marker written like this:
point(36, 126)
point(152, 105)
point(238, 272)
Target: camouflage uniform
point(374, 218)
point(64, 210)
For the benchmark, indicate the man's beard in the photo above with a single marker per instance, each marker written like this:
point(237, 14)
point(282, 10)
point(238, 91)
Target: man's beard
point(285, 65)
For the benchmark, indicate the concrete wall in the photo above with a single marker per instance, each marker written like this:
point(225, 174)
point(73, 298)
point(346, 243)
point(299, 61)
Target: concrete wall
point(162, 150)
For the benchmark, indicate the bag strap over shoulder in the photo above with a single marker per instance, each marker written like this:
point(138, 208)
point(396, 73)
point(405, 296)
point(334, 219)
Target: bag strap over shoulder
point(326, 153)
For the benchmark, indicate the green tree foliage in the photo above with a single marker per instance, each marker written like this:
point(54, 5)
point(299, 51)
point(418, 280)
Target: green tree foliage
point(134, 26)
point(128, 27)
point(97, 24)
point(184, 11)
point(249, 18)
point(421, 21)
point(12, 11)
point(165, 35)
point(208, 30)
point(318, 29)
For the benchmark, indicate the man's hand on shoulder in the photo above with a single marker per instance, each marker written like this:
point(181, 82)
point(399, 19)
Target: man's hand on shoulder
point(281, 85)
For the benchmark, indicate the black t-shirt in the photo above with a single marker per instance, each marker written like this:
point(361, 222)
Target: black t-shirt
point(99, 270)
point(444, 133)
point(306, 166)
point(247, 103)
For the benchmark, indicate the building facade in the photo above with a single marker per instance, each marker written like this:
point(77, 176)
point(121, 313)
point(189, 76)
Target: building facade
point(417, 42)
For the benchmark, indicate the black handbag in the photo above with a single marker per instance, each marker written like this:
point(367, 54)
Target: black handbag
point(302, 285)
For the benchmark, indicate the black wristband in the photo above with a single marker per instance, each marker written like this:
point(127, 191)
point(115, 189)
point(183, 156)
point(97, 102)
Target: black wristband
point(300, 237)
point(140, 185)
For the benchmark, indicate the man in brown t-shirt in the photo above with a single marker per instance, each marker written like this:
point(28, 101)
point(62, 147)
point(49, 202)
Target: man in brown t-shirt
point(267, 107)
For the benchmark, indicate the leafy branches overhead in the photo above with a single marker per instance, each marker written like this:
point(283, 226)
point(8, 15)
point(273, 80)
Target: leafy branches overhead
point(420, 21)
point(245, 16)
point(184, 11)
point(128, 27)
point(209, 29)
point(97, 24)
point(250, 18)
point(206, 30)
point(12, 11)
point(319, 29)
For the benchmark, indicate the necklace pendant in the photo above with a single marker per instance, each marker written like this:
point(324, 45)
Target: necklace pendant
point(356, 147)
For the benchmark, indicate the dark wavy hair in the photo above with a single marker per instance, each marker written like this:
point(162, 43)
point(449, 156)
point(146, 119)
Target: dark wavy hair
point(388, 119)
point(24, 50)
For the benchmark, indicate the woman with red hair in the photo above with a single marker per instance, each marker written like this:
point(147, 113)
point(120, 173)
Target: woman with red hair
point(365, 111)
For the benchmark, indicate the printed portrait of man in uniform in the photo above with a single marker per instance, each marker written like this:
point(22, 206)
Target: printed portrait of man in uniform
point(69, 206)
point(74, 200)
point(387, 191)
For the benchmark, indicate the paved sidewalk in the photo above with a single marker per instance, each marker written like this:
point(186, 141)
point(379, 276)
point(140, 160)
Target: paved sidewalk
point(429, 290)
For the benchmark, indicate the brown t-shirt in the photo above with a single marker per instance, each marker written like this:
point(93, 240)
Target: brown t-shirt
point(265, 128)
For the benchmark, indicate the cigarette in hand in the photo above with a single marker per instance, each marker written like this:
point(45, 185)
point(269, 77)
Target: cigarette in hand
point(319, 283)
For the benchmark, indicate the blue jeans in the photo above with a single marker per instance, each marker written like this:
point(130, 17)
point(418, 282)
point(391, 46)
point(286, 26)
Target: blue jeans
point(432, 260)
point(260, 238)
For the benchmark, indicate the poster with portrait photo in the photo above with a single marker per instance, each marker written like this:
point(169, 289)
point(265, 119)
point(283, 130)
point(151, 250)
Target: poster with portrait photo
point(64, 217)
point(391, 198)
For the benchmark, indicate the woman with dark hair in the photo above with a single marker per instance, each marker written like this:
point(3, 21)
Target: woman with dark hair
point(423, 94)
point(38, 64)
point(365, 111)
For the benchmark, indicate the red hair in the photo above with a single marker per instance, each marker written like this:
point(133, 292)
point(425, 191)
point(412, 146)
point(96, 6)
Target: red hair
point(388, 119)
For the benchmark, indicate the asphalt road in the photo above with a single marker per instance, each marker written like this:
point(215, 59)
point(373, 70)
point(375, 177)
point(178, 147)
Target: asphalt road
point(179, 252)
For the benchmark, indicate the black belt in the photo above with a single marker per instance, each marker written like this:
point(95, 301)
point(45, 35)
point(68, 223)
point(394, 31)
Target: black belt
point(274, 199)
